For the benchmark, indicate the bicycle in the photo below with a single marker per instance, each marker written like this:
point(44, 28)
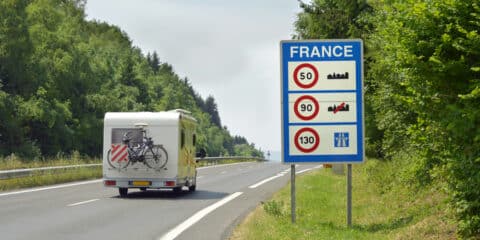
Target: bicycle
point(153, 156)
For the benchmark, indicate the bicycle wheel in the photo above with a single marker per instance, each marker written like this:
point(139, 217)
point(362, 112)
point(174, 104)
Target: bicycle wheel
point(156, 157)
point(119, 164)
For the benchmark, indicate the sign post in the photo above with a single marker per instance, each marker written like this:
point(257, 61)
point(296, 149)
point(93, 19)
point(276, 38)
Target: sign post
point(322, 104)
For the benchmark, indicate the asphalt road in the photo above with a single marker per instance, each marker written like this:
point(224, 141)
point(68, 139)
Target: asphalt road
point(87, 210)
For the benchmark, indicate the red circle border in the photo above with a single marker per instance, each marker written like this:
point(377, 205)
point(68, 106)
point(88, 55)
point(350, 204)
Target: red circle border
point(315, 134)
point(297, 81)
point(315, 112)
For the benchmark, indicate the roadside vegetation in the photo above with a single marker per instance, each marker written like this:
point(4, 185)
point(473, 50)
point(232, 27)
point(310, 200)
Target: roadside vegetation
point(51, 177)
point(381, 210)
point(14, 162)
point(422, 91)
point(60, 73)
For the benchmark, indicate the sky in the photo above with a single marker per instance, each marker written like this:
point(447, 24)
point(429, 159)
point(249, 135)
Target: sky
point(227, 49)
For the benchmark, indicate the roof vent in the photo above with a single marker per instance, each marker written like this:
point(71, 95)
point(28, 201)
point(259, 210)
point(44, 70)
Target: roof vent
point(141, 125)
point(178, 110)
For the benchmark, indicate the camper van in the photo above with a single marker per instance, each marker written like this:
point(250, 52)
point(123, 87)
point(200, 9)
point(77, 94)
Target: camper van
point(149, 150)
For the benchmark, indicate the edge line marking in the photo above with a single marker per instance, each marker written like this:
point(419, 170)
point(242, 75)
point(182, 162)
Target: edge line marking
point(52, 187)
point(84, 202)
point(172, 234)
point(281, 174)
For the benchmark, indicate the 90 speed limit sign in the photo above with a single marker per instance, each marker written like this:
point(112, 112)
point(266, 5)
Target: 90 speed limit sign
point(306, 107)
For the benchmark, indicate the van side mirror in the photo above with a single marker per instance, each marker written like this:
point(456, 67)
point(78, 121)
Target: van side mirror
point(201, 153)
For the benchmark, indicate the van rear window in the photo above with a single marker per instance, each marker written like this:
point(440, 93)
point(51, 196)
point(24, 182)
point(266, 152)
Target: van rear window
point(135, 135)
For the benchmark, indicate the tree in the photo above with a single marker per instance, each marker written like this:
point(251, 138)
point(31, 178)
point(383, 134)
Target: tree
point(330, 19)
point(154, 61)
point(211, 108)
point(427, 96)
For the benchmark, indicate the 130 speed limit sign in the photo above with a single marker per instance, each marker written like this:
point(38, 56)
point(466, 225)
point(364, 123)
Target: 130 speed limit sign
point(307, 140)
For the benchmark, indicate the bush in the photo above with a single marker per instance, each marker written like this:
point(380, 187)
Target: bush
point(274, 208)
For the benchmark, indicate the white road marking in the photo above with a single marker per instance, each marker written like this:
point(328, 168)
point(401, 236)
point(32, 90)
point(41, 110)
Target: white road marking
point(269, 179)
point(223, 172)
point(200, 177)
point(281, 174)
point(84, 202)
point(309, 169)
point(172, 234)
point(52, 187)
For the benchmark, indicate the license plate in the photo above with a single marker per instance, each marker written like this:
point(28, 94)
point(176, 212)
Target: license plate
point(141, 183)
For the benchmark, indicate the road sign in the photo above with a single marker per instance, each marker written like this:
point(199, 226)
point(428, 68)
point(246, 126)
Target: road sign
point(322, 101)
point(306, 107)
point(306, 140)
point(305, 75)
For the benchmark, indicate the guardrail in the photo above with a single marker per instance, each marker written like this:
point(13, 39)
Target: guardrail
point(24, 172)
point(216, 160)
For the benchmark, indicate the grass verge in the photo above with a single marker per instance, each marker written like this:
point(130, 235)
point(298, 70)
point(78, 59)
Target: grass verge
point(51, 177)
point(14, 162)
point(401, 212)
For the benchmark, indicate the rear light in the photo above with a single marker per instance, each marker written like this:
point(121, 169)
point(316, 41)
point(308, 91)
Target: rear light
point(110, 182)
point(170, 184)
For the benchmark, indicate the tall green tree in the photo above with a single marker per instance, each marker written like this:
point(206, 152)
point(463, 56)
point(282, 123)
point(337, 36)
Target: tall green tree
point(212, 109)
point(427, 95)
point(321, 19)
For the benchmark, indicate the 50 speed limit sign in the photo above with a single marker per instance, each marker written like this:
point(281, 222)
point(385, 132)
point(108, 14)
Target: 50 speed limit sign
point(322, 101)
point(305, 75)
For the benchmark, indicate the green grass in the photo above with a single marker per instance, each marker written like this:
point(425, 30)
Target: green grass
point(399, 213)
point(42, 178)
point(14, 162)
point(51, 177)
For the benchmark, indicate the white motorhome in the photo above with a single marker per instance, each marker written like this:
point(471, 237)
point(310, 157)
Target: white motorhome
point(149, 150)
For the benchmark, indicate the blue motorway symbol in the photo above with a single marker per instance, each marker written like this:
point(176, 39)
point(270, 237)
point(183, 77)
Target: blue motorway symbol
point(341, 139)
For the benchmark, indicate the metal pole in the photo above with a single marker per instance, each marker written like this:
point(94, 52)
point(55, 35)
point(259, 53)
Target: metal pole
point(349, 195)
point(292, 192)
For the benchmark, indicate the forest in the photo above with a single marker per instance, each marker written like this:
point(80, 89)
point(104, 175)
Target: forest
point(422, 90)
point(60, 74)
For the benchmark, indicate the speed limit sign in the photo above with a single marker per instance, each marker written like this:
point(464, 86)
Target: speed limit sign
point(322, 101)
point(307, 140)
point(305, 75)
point(306, 107)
